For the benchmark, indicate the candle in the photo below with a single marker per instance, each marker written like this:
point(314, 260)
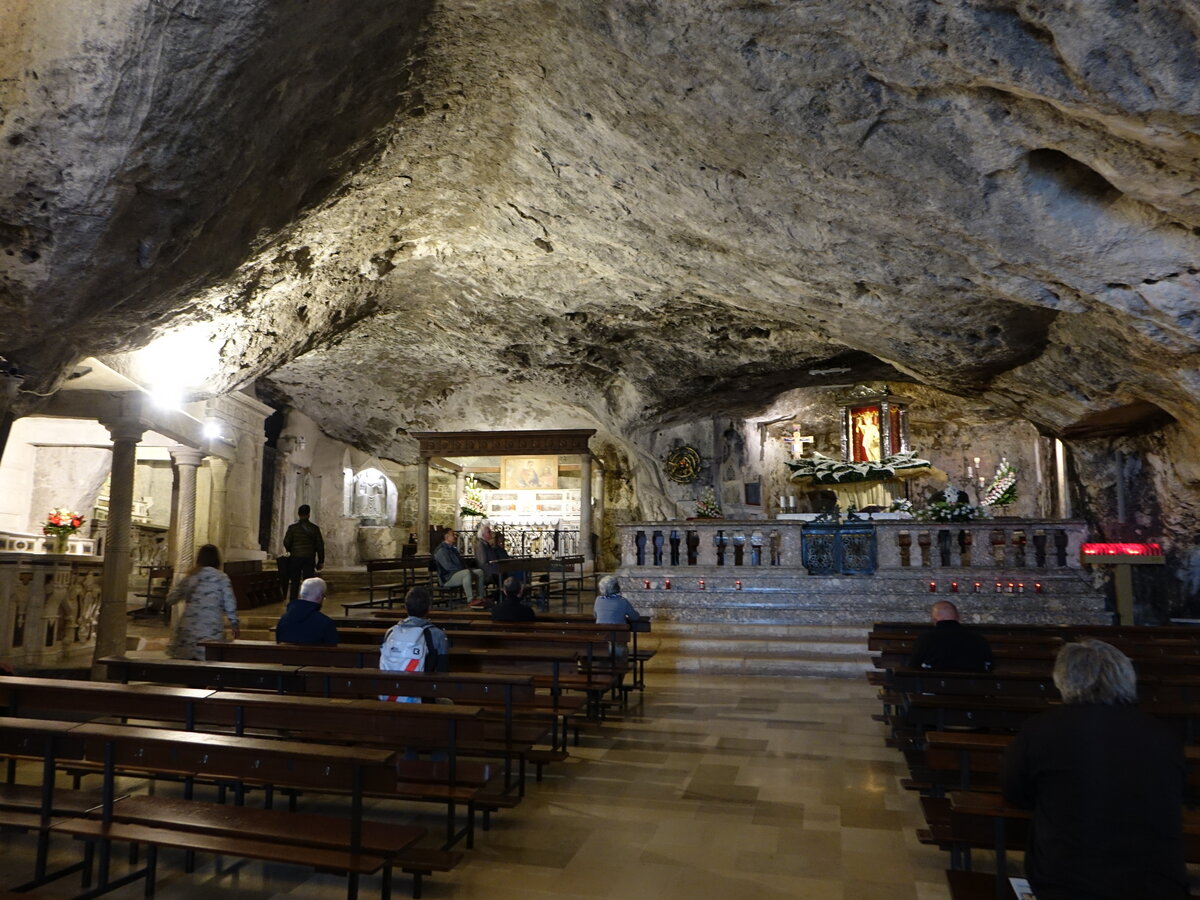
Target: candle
point(1010, 587)
point(977, 462)
point(970, 472)
point(1020, 587)
point(667, 584)
point(737, 585)
point(701, 584)
point(978, 585)
point(999, 587)
point(646, 584)
point(1037, 587)
point(954, 587)
point(933, 587)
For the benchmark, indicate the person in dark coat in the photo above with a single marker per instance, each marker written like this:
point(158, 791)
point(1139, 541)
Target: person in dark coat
point(303, 622)
point(510, 608)
point(306, 550)
point(949, 645)
point(1105, 782)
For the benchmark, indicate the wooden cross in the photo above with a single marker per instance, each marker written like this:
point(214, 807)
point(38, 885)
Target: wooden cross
point(798, 440)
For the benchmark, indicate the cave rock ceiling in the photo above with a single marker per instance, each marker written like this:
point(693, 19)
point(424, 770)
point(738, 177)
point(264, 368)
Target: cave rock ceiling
point(444, 214)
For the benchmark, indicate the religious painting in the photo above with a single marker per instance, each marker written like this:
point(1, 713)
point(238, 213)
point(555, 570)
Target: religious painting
point(528, 472)
point(864, 433)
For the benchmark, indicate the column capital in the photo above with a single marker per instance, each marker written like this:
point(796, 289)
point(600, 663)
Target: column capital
point(185, 456)
point(125, 428)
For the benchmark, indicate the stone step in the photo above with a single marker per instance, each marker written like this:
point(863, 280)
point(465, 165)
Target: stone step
point(811, 667)
point(763, 648)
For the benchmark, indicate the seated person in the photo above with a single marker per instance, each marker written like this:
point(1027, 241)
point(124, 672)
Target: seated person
point(949, 645)
point(416, 606)
point(611, 608)
point(486, 553)
point(303, 622)
point(452, 572)
point(510, 608)
point(1105, 782)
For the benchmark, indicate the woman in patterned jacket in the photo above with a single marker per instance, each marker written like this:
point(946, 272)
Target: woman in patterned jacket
point(206, 593)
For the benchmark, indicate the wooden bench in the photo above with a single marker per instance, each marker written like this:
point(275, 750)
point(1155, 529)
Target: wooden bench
point(346, 844)
point(362, 722)
point(391, 578)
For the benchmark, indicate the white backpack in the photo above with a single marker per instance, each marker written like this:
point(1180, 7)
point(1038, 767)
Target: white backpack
point(406, 648)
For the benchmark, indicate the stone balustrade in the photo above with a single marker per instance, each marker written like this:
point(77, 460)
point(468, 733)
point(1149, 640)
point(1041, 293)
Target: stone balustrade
point(900, 545)
point(48, 608)
point(21, 542)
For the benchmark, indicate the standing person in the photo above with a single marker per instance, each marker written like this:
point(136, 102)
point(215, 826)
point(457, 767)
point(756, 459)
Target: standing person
point(452, 572)
point(206, 593)
point(1105, 782)
point(306, 549)
point(611, 608)
point(303, 622)
point(949, 645)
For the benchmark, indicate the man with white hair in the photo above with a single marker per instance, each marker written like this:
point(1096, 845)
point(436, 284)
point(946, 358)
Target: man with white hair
point(1105, 782)
point(303, 622)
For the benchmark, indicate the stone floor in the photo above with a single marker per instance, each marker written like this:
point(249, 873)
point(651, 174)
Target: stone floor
point(721, 787)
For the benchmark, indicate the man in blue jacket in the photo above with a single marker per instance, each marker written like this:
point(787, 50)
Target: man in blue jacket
point(303, 622)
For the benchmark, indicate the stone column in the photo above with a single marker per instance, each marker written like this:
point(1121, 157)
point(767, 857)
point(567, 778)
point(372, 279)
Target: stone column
point(585, 507)
point(599, 519)
point(217, 512)
point(1060, 475)
point(110, 627)
point(423, 507)
point(460, 486)
point(173, 524)
point(186, 460)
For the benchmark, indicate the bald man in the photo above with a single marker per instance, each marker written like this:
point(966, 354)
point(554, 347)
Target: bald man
point(949, 645)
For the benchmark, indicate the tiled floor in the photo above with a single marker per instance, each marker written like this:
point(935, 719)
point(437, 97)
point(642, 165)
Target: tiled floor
point(718, 787)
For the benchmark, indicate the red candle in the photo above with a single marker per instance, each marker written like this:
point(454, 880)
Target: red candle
point(954, 587)
point(1020, 587)
point(1010, 587)
point(667, 584)
point(737, 585)
point(701, 584)
point(1037, 587)
point(933, 587)
point(978, 585)
point(999, 587)
point(646, 583)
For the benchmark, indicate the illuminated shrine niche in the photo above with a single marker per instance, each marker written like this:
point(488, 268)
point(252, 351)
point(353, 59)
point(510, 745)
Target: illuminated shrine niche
point(874, 425)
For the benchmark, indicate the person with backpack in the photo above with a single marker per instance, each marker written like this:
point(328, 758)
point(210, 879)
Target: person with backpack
point(306, 550)
point(414, 644)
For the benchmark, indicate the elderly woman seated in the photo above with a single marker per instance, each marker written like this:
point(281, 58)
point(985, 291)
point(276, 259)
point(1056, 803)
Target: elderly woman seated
point(611, 608)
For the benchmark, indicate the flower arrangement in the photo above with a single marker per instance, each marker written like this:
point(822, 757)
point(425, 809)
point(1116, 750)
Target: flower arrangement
point(62, 524)
point(472, 502)
point(901, 505)
point(947, 511)
point(1003, 489)
point(707, 506)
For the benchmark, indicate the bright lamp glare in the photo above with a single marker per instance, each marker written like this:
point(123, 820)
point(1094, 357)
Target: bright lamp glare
point(212, 430)
point(177, 361)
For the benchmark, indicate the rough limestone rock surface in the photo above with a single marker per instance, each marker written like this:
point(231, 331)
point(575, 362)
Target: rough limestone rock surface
point(441, 214)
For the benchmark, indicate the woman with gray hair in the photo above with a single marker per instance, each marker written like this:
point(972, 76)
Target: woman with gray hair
point(611, 608)
point(1105, 782)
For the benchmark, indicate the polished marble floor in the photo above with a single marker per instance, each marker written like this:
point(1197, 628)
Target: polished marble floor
point(718, 787)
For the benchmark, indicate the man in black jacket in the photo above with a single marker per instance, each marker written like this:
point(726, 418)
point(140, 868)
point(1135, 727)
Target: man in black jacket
point(303, 622)
point(949, 645)
point(306, 549)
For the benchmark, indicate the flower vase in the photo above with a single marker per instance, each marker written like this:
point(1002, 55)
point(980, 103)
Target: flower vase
point(61, 544)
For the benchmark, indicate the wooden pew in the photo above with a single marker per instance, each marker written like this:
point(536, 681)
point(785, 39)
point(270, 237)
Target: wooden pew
point(554, 669)
point(429, 728)
point(391, 578)
point(513, 696)
point(346, 844)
